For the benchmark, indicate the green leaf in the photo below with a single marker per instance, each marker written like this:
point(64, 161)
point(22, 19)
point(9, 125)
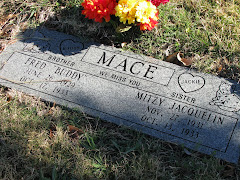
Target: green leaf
point(96, 165)
point(123, 28)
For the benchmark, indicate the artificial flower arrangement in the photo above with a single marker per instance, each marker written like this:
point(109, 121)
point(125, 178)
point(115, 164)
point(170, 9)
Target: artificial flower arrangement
point(143, 13)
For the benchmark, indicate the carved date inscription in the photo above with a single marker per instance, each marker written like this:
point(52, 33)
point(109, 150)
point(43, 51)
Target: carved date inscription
point(184, 121)
point(43, 76)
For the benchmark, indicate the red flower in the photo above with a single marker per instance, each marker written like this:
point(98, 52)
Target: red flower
point(149, 26)
point(158, 2)
point(99, 9)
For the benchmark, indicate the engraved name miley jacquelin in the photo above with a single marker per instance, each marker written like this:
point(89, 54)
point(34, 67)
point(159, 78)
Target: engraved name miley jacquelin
point(139, 68)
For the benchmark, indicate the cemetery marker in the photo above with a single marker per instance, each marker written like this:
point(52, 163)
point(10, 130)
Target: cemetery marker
point(161, 99)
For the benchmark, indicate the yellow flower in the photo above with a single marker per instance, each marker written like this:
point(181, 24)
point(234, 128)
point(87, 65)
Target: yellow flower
point(144, 11)
point(126, 10)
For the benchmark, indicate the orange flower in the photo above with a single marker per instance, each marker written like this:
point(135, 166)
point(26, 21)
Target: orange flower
point(99, 9)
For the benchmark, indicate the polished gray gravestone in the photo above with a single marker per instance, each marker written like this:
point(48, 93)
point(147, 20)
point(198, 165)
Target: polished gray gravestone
point(161, 99)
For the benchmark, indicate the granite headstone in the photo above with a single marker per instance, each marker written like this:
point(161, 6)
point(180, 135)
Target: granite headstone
point(174, 103)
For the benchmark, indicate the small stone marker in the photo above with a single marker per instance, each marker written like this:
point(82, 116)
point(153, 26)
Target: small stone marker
point(161, 99)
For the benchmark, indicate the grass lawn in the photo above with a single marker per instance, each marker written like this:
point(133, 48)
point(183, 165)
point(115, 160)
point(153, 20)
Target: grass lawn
point(41, 140)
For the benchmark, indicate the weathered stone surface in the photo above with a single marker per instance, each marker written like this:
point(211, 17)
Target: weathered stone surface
point(173, 103)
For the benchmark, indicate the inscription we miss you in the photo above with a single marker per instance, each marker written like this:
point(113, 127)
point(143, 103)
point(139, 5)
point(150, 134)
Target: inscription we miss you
point(126, 69)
